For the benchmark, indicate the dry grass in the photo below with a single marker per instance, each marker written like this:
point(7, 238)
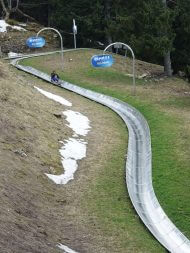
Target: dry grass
point(35, 214)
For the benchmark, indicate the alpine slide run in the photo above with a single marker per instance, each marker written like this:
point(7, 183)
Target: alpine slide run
point(138, 165)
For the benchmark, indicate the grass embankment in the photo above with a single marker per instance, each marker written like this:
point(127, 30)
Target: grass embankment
point(165, 105)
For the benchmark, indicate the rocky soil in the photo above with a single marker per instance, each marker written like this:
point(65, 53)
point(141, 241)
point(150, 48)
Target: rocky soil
point(15, 40)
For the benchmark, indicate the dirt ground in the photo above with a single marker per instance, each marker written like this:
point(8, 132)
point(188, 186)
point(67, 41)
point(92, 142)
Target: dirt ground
point(36, 214)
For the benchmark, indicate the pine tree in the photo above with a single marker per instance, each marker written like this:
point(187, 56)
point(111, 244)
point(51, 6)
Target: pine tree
point(152, 30)
point(181, 55)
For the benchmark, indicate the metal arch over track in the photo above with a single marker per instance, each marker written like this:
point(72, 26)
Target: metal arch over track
point(133, 55)
point(138, 167)
point(55, 30)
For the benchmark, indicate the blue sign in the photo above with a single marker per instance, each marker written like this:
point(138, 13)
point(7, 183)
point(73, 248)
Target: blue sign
point(104, 60)
point(35, 42)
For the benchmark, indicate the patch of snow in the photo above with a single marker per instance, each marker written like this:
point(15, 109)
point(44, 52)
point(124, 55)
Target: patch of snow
point(56, 98)
point(66, 249)
point(78, 122)
point(16, 27)
point(71, 167)
point(72, 151)
point(4, 25)
point(22, 24)
point(13, 55)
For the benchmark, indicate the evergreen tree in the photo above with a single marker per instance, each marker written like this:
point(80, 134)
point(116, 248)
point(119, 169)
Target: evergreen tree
point(152, 23)
point(97, 20)
point(63, 13)
point(181, 55)
point(37, 9)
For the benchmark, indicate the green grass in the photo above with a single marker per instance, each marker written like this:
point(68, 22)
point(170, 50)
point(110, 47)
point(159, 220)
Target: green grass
point(170, 149)
point(109, 201)
point(181, 102)
point(109, 75)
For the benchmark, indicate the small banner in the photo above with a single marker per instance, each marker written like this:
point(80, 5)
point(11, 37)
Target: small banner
point(35, 42)
point(102, 61)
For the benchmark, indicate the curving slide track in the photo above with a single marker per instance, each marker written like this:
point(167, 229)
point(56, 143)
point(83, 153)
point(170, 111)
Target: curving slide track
point(138, 166)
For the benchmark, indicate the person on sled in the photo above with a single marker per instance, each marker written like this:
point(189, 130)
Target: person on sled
point(54, 77)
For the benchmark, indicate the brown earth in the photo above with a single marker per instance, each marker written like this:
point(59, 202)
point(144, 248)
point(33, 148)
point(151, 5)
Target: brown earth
point(36, 214)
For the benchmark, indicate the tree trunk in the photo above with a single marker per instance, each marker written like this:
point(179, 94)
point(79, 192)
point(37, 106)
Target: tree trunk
point(9, 9)
point(6, 10)
point(167, 58)
point(107, 7)
point(167, 64)
point(49, 11)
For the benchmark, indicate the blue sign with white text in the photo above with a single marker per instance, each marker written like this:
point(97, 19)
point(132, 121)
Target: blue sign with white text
point(104, 60)
point(35, 42)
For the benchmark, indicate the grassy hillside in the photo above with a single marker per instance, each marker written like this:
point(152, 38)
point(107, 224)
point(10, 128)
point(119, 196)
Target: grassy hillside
point(165, 104)
point(35, 213)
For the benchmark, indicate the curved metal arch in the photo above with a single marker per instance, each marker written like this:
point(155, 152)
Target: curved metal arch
point(133, 55)
point(55, 30)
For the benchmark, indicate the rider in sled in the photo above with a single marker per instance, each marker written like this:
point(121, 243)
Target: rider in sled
point(54, 77)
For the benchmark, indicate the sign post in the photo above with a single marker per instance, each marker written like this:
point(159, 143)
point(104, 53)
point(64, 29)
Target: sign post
point(125, 48)
point(74, 33)
point(117, 46)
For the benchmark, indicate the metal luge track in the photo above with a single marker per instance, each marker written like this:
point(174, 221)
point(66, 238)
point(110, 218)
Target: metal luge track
point(138, 167)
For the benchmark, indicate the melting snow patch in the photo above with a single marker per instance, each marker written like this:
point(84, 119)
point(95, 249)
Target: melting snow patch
point(14, 55)
point(75, 149)
point(78, 122)
point(72, 151)
point(54, 97)
point(22, 24)
point(66, 249)
point(16, 27)
point(4, 25)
